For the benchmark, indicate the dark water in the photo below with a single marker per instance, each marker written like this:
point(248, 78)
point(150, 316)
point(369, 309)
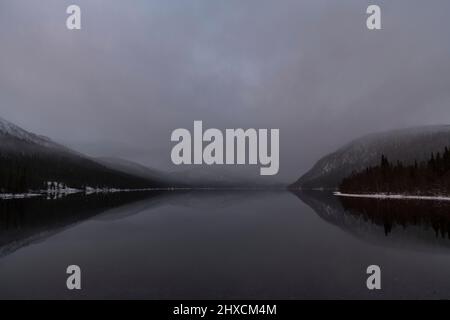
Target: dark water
point(223, 245)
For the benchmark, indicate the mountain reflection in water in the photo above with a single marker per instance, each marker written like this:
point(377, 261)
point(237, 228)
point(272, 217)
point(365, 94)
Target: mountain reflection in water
point(390, 222)
point(223, 244)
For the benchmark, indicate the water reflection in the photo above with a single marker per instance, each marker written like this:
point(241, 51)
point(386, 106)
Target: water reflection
point(25, 221)
point(413, 223)
point(222, 245)
point(409, 223)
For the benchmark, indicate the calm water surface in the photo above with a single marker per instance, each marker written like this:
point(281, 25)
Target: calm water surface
point(223, 245)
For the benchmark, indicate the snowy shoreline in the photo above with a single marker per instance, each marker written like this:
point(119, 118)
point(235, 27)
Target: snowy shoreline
point(56, 194)
point(7, 196)
point(69, 191)
point(392, 196)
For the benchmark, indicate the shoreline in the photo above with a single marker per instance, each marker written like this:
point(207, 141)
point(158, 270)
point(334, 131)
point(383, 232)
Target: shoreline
point(392, 196)
point(69, 191)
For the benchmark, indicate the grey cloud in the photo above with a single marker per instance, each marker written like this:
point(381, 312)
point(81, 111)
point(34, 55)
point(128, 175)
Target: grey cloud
point(140, 69)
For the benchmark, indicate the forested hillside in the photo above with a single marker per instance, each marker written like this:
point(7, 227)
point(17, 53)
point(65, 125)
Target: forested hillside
point(430, 177)
point(22, 173)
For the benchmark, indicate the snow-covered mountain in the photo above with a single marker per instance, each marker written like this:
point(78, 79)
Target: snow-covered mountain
point(28, 161)
point(9, 129)
point(404, 145)
point(11, 134)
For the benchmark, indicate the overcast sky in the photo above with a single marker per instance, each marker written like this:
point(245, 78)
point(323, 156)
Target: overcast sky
point(140, 69)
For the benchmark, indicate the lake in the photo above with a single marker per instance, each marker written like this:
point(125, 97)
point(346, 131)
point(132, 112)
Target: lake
point(223, 245)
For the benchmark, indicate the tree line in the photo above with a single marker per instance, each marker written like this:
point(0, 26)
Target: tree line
point(431, 177)
point(21, 173)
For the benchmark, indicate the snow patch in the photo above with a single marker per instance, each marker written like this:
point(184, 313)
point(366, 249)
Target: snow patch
point(6, 196)
point(391, 196)
point(57, 190)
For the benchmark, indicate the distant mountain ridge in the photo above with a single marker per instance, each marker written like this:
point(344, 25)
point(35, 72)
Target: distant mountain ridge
point(404, 145)
point(176, 180)
point(130, 167)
